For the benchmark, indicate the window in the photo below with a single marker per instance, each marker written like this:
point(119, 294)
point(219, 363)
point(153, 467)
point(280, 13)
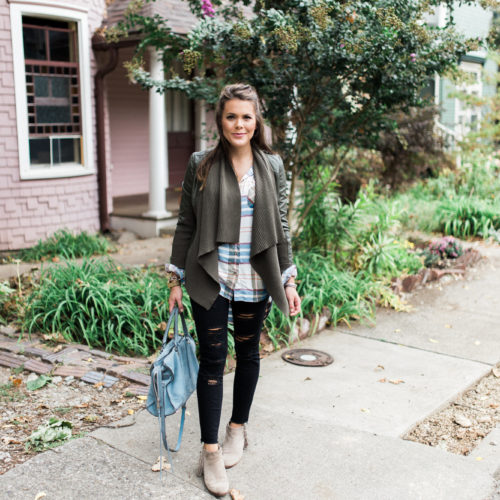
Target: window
point(52, 91)
point(469, 115)
point(52, 99)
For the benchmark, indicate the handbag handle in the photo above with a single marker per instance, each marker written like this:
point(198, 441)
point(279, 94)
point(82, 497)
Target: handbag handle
point(174, 316)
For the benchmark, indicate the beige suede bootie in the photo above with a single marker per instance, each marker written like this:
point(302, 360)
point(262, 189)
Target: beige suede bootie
point(234, 444)
point(211, 467)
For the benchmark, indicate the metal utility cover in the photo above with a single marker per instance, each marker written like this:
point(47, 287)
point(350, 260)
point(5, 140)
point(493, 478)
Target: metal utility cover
point(307, 357)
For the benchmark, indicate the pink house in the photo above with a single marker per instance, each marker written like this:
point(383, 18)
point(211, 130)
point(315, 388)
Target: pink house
point(81, 147)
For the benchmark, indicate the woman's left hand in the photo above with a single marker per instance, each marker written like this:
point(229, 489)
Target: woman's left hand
point(293, 300)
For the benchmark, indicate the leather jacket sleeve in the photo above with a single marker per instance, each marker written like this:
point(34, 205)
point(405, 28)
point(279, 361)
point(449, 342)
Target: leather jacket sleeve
point(281, 187)
point(186, 222)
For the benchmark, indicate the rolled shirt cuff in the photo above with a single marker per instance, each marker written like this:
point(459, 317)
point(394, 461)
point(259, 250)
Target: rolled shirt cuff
point(170, 268)
point(288, 273)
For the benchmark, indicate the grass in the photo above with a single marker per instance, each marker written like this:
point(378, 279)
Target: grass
point(346, 295)
point(9, 392)
point(125, 311)
point(99, 304)
point(465, 217)
point(65, 244)
point(463, 203)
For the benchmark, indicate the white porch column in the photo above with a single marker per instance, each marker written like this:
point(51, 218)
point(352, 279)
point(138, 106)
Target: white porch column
point(158, 157)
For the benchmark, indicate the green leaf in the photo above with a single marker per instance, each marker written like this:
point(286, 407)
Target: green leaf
point(42, 380)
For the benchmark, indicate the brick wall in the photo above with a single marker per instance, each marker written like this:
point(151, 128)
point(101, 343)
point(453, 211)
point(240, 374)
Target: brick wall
point(34, 209)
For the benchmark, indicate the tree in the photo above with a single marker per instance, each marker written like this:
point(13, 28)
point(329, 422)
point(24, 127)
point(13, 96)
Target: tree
point(328, 72)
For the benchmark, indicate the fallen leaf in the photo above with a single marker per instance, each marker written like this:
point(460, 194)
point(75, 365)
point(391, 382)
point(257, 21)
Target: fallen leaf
point(365, 410)
point(55, 259)
point(99, 384)
point(33, 385)
point(447, 326)
point(142, 398)
point(187, 413)
point(164, 465)
point(307, 378)
point(379, 368)
point(83, 405)
point(479, 458)
point(496, 371)
point(269, 348)
point(397, 330)
point(17, 382)
point(58, 348)
point(40, 495)
point(89, 360)
point(10, 440)
point(434, 341)
point(55, 337)
point(383, 380)
point(90, 418)
point(130, 411)
point(494, 405)
point(396, 381)
point(236, 495)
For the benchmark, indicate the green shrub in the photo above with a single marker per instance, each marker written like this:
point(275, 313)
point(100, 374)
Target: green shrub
point(6, 295)
point(67, 245)
point(464, 217)
point(346, 294)
point(99, 304)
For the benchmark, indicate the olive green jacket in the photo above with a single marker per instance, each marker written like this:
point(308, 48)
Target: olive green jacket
point(212, 216)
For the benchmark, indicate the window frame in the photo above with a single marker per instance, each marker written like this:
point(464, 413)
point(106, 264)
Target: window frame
point(68, 13)
point(463, 115)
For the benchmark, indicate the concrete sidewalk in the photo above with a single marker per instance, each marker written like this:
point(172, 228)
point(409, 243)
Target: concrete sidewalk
point(319, 433)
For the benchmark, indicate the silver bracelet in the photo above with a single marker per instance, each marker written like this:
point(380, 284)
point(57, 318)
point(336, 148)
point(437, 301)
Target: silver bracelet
point(291, 285)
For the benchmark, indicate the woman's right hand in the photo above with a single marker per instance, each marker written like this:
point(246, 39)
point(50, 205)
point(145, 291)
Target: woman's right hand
point(175, 299)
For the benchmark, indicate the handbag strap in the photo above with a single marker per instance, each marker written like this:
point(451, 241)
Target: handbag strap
point(181, 430)
point(174, 316)
point(161, 418)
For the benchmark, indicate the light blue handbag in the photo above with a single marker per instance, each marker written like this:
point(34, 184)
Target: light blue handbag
point(173, 379)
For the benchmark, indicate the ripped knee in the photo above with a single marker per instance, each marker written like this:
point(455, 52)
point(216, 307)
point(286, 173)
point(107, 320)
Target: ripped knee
point(243, 338)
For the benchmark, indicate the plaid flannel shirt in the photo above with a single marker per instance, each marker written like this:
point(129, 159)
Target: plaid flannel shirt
point(237, 278)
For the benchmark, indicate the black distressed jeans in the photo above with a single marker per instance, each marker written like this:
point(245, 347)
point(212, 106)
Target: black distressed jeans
point(211, 330)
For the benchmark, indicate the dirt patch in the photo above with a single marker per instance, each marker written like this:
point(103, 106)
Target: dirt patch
point(460, 426)
point(86, 406)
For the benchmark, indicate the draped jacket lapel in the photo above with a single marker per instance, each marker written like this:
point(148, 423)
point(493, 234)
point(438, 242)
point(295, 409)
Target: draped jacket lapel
point(218, 212)
point(220, 208)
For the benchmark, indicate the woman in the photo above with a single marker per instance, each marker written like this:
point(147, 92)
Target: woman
point(232, 247)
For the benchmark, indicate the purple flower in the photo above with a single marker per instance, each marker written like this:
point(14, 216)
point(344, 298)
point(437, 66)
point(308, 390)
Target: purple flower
point(342, 45)
point(207, 8)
